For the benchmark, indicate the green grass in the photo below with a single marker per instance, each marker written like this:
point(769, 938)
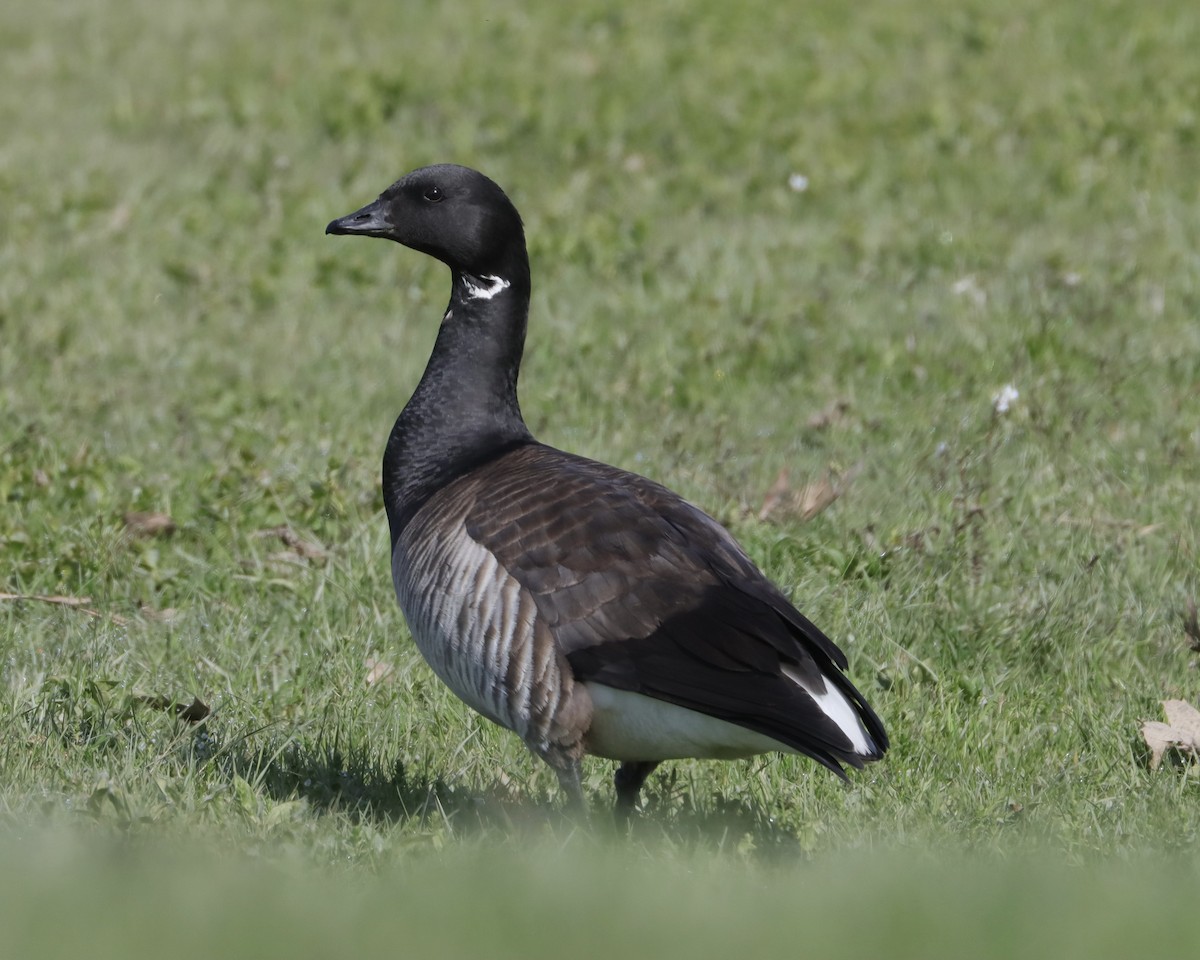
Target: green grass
point(996, 195)
point(592, 902)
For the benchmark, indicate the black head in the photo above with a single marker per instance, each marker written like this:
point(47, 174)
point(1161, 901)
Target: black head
point(453, 213)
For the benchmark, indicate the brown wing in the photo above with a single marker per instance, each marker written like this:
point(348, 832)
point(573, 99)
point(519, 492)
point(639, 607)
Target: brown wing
point(644, 592)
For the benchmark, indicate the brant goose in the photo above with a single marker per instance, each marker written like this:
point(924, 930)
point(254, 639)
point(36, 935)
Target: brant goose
point(587, 609)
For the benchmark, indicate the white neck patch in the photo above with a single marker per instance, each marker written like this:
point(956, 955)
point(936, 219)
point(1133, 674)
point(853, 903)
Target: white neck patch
point(496, 285)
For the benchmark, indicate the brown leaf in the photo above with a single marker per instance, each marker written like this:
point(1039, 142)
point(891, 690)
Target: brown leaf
point(834, 412)
point(192, 712)
point(810, 499)
point(147, 523)
point(46, 598)
point(778, 491)
point(917, 539)
point(75, 603)
point(165, 615)
point(1138, 529)
point(1183, 717)
point(1181, 732)
point(1191, 625)
point(286, 558)
point(305, 549)
point(815, 496)
point(378, 671)
point(1160, 738)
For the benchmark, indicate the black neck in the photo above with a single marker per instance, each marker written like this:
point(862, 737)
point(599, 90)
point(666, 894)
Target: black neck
point(464, 411)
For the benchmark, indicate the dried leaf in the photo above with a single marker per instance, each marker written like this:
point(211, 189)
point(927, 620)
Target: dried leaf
point(809, 500)
point(777, 492)
point(192, 712)
point(286, 558)
point(45, 598)
point(834, 412)
point(1183, 717)
point(378, 671)
point(1191, 625)
point(815, 496)
point(1181, 732)
point(917, 539)
point(305, 549)
point(1138, 529)
point(1160, 738)
point(147, 523)
point(165, 615)
point(76, 603)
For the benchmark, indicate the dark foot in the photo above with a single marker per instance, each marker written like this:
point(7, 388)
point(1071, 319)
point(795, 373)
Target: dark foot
point(628, 780)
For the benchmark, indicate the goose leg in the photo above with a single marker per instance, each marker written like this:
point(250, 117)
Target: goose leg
point(628, 780)
point(570, 778)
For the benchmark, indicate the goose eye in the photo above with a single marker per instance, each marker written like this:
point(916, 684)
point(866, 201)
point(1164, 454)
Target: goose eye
point(434, 194)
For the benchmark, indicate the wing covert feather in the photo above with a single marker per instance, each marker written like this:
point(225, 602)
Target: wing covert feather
point(644, 592)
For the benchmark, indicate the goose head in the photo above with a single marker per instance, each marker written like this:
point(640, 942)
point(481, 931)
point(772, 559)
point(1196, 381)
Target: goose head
point(452, 213)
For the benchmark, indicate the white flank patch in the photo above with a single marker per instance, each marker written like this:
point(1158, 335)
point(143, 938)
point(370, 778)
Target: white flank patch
point(485, 293)
point(632, 726)
point(836, 707)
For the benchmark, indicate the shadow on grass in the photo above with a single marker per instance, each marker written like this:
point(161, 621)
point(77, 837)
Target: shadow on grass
point(358, 786)
point(680, 816)
point(365, 789)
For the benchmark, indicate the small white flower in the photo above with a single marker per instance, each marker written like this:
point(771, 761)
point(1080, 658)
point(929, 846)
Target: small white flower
point(969, 287)
point(797, 182)
point(1007, 396)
